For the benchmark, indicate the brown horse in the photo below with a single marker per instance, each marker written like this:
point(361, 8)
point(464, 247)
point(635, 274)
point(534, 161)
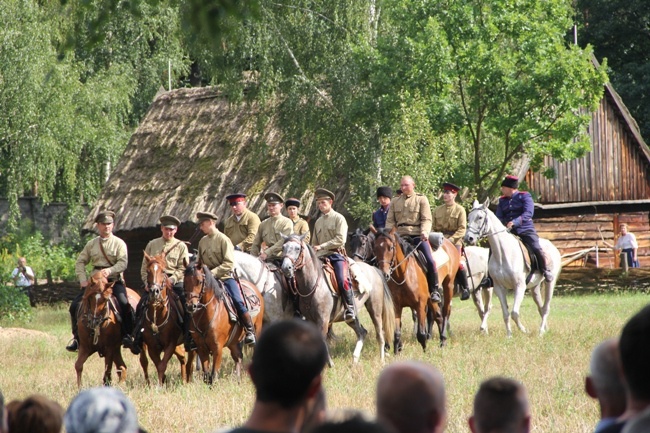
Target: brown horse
point(100, 331)
point(408, 283)
point(163, 332)
point(211, 326)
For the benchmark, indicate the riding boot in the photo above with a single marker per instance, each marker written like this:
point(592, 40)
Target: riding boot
point(348, 299)
point(249, 329)
point(127, 326)
point(464, 287)
point(434, 287)
point(541, 261)
point(296, 307)
point(136, 343)
point(73, 346)
point(189, 343)
point(485, 283)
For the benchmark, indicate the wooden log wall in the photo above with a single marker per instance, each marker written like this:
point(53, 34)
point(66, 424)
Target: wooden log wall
point(571, 234)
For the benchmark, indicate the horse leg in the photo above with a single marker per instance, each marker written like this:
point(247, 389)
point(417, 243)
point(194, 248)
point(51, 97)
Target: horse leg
point(237, 356)
point(216, 363)
point(520, 290)
point(108, 365)
point(501, 294)
point(120, 366)
point(375, 316)
point(324, 326)
point(162, 366)
point(144, 363)
point(397, 341)
point(79, 364)
point(180, 354)
point(545, 309)
point(422, 325)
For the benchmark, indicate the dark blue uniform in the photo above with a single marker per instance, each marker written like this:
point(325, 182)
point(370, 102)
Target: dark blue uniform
point(519, 209)
point(379, 217)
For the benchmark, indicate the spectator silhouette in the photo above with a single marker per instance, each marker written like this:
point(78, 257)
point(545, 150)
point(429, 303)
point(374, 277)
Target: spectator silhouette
point(356, 424)
point(500, 405)
point(3, 415)
point(411, 398)
point(605, 382)
point(34, 414)
point(101, 410)
point(640, 424)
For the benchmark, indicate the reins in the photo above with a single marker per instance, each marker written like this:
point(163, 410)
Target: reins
point(203, 306)
point(392, 268)
point(298, 264)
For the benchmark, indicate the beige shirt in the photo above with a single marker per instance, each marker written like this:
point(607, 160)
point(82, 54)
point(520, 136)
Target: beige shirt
point(270, 232)
point(242, 232)
point(451, 221)
point(300, 226)
point(410, 214)
point(115, 250)
point(176, 256)
point(330, 232)
point(218, 254)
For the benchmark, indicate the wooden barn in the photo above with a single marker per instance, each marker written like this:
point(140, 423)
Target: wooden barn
point(581, 208)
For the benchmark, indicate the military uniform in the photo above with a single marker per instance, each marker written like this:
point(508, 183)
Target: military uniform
point(176, 256)
point(300, 226)
point(270, 232)
point(242, 232)
point(411, 215)
point(218, 254)
point(451, 221)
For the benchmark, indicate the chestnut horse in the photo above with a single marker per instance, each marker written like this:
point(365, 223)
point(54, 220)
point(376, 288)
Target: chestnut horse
point(211, 326)
point(100, 331)
point(163, 332)
point(408, 283)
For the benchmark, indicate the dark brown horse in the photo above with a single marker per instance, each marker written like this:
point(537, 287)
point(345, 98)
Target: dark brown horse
point(408, 283)
point(100, 331)
point(211, 326)
point(163, 332)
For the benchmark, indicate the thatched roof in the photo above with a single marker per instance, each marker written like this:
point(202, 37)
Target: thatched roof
point(191, 150)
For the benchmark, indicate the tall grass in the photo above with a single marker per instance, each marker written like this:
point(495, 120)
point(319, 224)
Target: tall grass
point(551, 367)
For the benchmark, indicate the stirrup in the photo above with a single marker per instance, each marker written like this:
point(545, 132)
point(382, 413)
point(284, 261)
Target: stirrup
point(349, 316)
point(249, 338)
point(464, 294)
point(127, 341)
point(73, 346)
point(435, 295)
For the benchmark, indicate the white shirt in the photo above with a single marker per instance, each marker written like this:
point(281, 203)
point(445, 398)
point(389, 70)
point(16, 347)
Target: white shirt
point(626, 241)
point(22, 281)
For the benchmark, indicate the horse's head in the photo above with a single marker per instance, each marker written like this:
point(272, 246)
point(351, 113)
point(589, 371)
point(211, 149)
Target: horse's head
point(157, 280)
point(361, 245)
point(96, 298)
point(478, 222)
point(384, 249)
point(293, 254)
point(194, 285)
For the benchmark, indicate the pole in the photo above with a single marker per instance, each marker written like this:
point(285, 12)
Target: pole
point(169, 74)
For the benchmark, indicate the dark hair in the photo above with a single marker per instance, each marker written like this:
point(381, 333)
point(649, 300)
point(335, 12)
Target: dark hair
point(35, 414)
point(287, 358)
point(634, 347)
point(500, 405)
point(356, 424)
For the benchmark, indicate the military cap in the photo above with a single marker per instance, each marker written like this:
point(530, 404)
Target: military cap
point(448, 186)
point(510, 182)
point(105, 217)
point(323, 193)
point(169, 221)
point(202, 216)
point(384, 191)
point(292, 202)
point(236, 197)
point(272, 197)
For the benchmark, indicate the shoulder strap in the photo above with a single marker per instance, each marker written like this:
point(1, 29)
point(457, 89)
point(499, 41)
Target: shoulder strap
point(101, 247)
point(172, 247)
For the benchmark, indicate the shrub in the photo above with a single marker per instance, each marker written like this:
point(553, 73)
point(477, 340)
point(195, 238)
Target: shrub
point(14, 304)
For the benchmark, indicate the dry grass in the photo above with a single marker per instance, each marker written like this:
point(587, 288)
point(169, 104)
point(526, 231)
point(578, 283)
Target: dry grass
point(552, 367)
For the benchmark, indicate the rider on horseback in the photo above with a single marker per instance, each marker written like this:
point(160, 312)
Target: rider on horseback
point(330, 233)
point(217, 253)
point(384, 196)
point(176, 258)
point(300, 226)
point(411, 214)
point(451, 219)
point(241, 227)
point(515, 210)
point(108, 255)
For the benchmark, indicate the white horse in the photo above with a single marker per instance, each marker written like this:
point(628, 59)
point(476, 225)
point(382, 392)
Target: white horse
point(477, 267)
point(508, 269)
point(277, 305)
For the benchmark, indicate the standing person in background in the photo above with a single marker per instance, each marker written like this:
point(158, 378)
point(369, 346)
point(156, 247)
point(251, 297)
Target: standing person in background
point(23, 277)
point(300, 226)
point(627, 243)
point(384, 196)
point(241, 227)
point(451, 219)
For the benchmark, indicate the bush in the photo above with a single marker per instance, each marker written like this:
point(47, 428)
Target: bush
point(14, 304)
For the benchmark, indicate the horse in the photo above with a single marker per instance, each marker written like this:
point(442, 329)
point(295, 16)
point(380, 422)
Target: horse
point(319, 305)
point(211, 325)
point(477, 267)
point(408, 284)
point(163, 333)
point(100, 330)
point(277, 306)
point(507, 266)
point(361, 246)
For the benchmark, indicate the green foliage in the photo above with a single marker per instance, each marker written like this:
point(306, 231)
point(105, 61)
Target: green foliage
point(14, 304)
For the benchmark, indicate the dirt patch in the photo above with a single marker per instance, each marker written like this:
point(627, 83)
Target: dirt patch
point(16, 333)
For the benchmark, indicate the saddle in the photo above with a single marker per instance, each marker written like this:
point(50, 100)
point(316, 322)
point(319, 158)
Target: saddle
point(440, 257)
point(531, 263)
point(359, 282)
point(251, 300)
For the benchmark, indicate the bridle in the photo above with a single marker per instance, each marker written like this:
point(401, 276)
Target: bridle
point(158, 300)
point(95, 319)
point(299, 263)
point(195, 308)
point(480, 233)
point(391, 268)
point(365, 243)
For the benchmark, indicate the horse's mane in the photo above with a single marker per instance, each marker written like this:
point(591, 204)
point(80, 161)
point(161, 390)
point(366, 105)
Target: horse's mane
point(398, 239)
point(95, 286)
point(314, 259)
point(212, 282)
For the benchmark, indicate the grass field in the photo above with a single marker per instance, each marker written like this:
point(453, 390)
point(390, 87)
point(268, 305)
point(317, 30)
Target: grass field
point(551, 367)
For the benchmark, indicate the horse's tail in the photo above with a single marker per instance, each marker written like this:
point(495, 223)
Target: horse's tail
point(388, 314)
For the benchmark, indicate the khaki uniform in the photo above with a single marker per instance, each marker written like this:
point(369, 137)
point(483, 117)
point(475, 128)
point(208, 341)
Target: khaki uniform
point(410, 214)
point(218, 254)
point(242, 232)
point(270, 232)
point(115, 250)
point(451, 221)
point(301, 226)
point(330, 232)
point(176, 256)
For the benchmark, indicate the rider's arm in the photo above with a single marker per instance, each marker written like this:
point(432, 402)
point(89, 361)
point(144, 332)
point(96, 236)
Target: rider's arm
point(275, 249)
point(528, 210)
